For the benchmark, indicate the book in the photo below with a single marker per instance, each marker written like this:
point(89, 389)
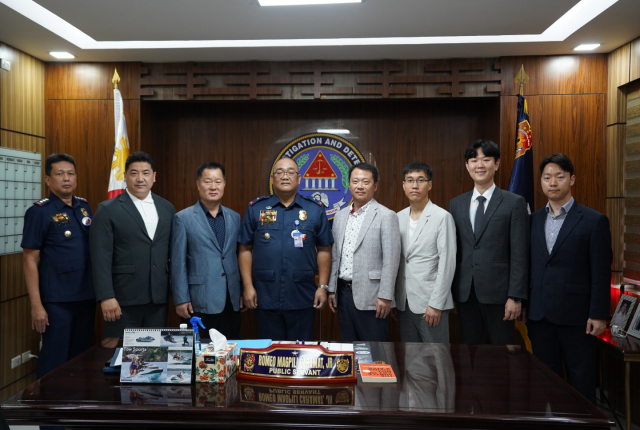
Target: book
point(374, 372)
point(157, 356)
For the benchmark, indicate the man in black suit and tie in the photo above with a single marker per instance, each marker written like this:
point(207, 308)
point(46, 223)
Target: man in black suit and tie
point(570, 278)
point(492, 229)
point(129, 244)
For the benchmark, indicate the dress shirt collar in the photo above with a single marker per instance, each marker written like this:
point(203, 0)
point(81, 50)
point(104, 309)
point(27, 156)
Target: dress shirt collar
point(487, 194)
point(135, 200)
point(206, 211)
point(563, 210)
point(360, 211)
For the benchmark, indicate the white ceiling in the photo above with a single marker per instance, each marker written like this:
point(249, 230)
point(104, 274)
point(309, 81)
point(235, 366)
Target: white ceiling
point(233, 20)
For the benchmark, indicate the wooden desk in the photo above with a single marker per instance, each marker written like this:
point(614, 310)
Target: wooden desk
point(628, 349)
point(439, 386)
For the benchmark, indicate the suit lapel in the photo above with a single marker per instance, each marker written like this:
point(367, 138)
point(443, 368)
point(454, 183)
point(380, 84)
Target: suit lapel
point(466, 204)
point(573, 218)
point(495, 201)
point(163, 217)
point(403, 222)
point(538, 229)
point(229, 225)
point(366, 223)
point(128, 206)
point(424, 218)
point(201, 219)
point(341, 225)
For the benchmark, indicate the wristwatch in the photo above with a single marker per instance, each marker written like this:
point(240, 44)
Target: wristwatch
point(516, 299)
point(324, 287)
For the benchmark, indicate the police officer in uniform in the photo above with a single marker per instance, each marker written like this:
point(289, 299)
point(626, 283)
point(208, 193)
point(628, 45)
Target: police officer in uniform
point(57, 270)
point(283, 239)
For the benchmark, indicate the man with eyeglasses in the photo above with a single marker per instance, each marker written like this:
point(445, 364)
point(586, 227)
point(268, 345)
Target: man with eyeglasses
point(428, 262)
point(204, 265)
point(284, 238)
point(364, 261)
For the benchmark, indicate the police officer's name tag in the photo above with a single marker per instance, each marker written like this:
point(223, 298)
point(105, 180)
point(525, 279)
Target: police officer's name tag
point(297, 239)
point(268, 216)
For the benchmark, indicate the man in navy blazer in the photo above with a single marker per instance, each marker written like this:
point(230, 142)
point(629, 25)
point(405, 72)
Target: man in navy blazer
point(570, 278)
point(204, 262)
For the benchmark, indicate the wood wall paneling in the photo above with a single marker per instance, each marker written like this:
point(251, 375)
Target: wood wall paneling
point(322, 79)
point(615, 160)
point(85, 130)
point(18, 337)
point(634, 60)
point(571, 124)
point(618, 75)
point(615, 213)
point(12, 277)
point(91, 81)
point(22, 93)
point(566, 74)
point(632, 182)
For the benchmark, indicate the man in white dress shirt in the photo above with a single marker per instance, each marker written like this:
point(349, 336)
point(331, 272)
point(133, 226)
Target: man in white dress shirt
point(428, 263)
point(129, 242)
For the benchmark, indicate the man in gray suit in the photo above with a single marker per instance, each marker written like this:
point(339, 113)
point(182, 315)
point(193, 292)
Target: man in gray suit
point(204, 263)
point(365, 260)
point(129, 244)
point(492, 228)
point(428, 262)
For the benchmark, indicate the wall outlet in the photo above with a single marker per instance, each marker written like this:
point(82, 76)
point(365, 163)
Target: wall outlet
point(16, 361)
point(25, 356)
point(5, 64)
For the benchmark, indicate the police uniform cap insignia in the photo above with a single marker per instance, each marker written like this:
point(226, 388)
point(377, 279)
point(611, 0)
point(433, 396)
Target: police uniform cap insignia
point(41, 202)
point(82, 199)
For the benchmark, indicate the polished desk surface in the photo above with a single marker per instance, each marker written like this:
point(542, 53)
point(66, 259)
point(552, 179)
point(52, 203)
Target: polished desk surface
point(439, 386)
point(629, 345)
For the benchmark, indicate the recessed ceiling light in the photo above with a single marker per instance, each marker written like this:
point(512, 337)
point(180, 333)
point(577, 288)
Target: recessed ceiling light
point(302, 2)
point(61, 55)
point(586, 47)
point(333, 130)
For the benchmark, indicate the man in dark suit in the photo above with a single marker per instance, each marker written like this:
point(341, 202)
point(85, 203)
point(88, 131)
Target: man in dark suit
point(570, 278)
point(129, 244)
point(492, 263)
point(204, 264)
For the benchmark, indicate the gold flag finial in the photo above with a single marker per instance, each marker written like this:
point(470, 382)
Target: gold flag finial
point(115, 79)
point(521, 78)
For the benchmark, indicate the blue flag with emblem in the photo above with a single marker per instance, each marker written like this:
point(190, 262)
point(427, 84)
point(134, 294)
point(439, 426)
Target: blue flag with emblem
point(521, 182)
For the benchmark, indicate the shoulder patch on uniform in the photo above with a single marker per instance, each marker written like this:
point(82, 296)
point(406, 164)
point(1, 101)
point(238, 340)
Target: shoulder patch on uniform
point(41, 202)
point(82, 199)
point(253, 202)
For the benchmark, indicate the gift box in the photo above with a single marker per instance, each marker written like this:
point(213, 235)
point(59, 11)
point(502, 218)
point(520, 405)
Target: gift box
point(216, 366)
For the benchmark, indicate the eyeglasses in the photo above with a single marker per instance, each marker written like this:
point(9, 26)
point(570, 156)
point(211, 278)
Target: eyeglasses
point(280, 173)
point(419, 181)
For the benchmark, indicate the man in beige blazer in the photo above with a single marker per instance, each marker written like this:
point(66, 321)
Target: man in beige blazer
point(428, 263)
point(364, 261)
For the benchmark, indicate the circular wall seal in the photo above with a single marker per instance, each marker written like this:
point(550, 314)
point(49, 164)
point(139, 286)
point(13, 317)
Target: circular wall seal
point(323, 161)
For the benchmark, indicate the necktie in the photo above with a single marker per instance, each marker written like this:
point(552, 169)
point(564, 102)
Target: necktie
point(477, 225)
